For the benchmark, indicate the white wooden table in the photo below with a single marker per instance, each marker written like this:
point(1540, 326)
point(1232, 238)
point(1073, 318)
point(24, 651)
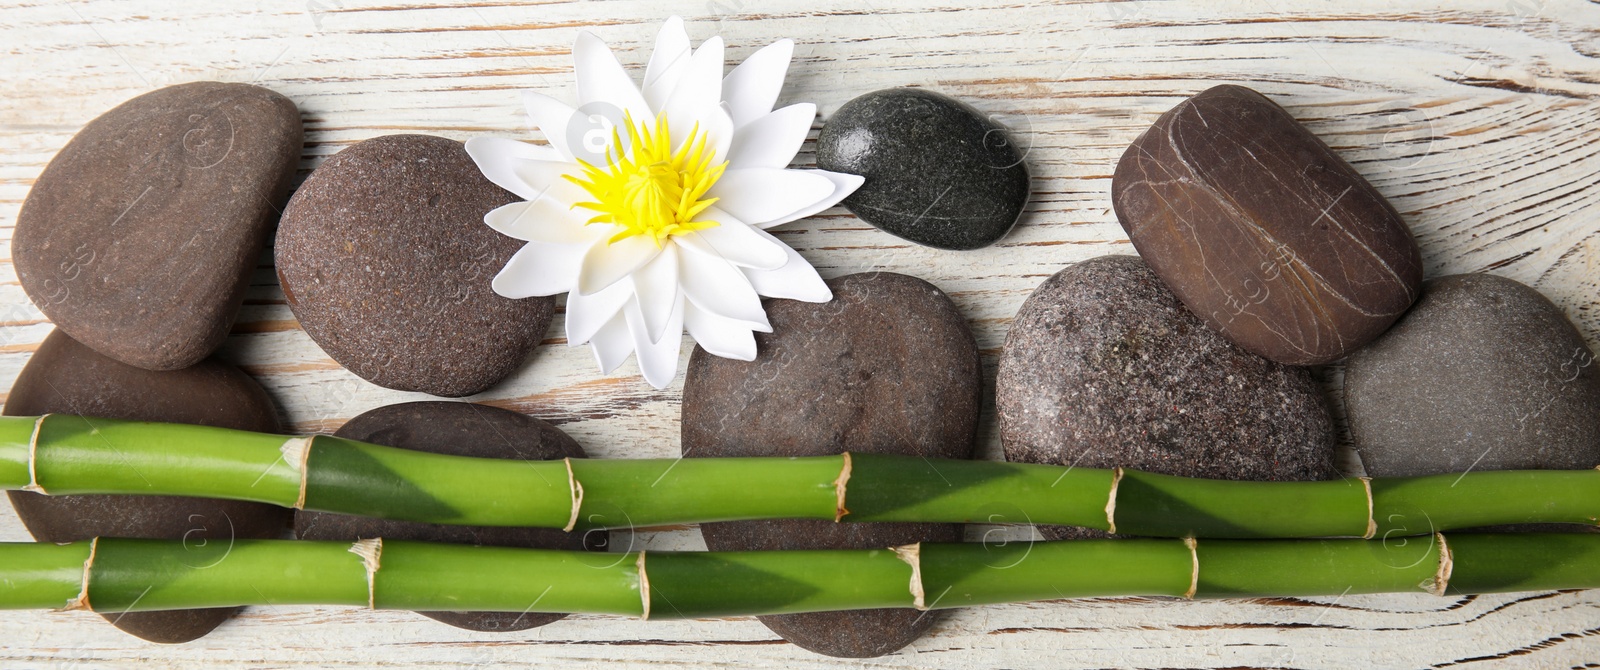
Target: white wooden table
point(1478, 119)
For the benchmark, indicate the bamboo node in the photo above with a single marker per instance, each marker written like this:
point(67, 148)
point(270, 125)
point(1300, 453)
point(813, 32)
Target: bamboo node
point(81, 602)
point(33, 457)
point(1447, 563)
point(1111, 501)
point(576, 488)
point(644, 588)
point(371, 552)
point(1194, 567)
point(1372, 521)
point(296, 452)
point(912, 555)
point(838, 489)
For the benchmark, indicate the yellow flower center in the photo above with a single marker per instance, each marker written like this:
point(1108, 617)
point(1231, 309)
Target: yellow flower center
point(646, 187)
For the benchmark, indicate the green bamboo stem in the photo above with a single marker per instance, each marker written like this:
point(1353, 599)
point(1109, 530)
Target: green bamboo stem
point(127, 575)
point(66, 454)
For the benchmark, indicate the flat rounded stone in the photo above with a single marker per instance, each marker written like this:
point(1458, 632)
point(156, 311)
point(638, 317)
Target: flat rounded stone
point(1263, 231)
point(65, 377)
point(1483, 373)
point(889, 366)
point(456, 429)
point(938, 172)
point(1104, 368)
point(140, 236)
point(385, 260)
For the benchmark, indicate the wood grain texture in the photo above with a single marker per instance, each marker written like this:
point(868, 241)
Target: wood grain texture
point(1479, 120)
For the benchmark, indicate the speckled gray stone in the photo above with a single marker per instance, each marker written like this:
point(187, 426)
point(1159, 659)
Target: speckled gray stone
point(1103, 367)
point(889, 366)
point(938, 172)
point(457, 429)
point(1483, 373)
point(66, 377)
point(141, 235)
point(1264, 231)
point(384, 258)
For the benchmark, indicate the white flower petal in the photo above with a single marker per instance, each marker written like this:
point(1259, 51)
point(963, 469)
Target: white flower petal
point(542, 220)
point(542, 176)
point(567, 194)
point(718, 336)
point(657, 360)
point(607, 262)
point(601, 80)
point(734, 241)
point(539, 269)
point(587, 314)
point(695, 102)
point(552, 117)
point(759, 195)
point(497, 156)
point(718, 287)
point(843, 186)
point(667, 62)
point(656, 286)
point(718, 128)
point(796, 280)
point(772, 140)
point(701, 83)
point(612, 343)
point(752, 88)
point(514, 149)
point(711, 120)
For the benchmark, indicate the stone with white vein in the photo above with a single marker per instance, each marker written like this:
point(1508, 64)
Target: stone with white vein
point(1263, 231)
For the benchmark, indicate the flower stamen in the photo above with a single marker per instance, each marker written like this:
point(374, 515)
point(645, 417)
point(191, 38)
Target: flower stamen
point(646, 188)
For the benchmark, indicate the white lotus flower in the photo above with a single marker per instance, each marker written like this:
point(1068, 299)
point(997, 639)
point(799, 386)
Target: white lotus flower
point(649, 206)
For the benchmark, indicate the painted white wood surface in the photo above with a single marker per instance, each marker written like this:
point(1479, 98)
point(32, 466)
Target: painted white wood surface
point(1478, 119)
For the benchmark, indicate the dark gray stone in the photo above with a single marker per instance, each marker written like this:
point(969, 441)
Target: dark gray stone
point(384, 258)
point(1263, 231)
point(938, 172)
point(457, 429)
point(889, 366)
point(1103, 367)
point(1483, 373)
point(66, 377)
point(140, 237)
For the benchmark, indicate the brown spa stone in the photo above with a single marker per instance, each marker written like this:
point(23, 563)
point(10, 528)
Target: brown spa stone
point(889, 366)
point(1104, 368)
point(457, 429)
point(66, 377)
point(140, 236)
point(1263, 231)
point(385, 260)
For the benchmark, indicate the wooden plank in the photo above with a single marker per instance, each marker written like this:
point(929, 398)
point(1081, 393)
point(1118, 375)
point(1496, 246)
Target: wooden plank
point(1478, 119)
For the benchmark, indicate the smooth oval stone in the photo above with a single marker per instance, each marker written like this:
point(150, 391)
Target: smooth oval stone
point(1103, 368)
point(140, 237)
point(889, 366)
point(938, 172)
point(1263, 231)
point(66, 377)
point(384, 258)
point(1483, 373)
point(456, 429)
